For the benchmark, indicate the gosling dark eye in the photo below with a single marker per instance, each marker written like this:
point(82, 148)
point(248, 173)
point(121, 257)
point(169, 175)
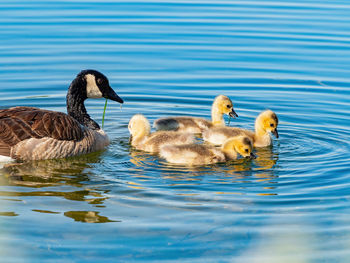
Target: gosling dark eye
point(246, 150)
point(271, 125)
point(228, 106)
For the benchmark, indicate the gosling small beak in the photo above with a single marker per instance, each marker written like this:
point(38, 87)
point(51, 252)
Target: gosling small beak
point(113, 96)
point(233, 114)
point(275, 132)
point(252, 156)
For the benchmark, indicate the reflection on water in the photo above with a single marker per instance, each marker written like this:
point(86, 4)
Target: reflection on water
point(141, 159)
point(236, 171)
point(44, 211)
point(47, 174)
point(49, 169)
point(87, 217)
point(8, 214)
point(266, 158)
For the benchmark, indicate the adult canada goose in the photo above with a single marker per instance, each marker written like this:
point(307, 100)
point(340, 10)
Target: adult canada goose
point(142, 138)
point(28, 133)
point(265, 123)
point(221, 105)
point(199, 154)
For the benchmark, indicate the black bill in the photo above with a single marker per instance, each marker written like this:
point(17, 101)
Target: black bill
point(275, 132)
point(113, 96)
point(233, 114)
point(252, 155)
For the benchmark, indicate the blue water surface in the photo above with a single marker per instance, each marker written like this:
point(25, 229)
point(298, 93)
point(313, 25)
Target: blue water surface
point(166, 58)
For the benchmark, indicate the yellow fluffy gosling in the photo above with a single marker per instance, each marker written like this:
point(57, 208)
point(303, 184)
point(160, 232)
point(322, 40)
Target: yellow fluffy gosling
point(221, 105)
point(142, 139)
point(199, 154)
point(265, 124)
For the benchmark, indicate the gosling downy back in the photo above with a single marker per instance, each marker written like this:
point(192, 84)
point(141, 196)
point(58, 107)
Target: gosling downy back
point(142, 138)
point(265, 123)
point(199, 154)
point(221, 105)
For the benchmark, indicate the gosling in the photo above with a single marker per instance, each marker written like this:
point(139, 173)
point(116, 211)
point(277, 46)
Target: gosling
point(199, 154)
point(142, 139)
point(265, 123)
point(221, 105)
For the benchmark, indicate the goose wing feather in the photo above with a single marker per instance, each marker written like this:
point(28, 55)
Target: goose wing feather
point(21, 123)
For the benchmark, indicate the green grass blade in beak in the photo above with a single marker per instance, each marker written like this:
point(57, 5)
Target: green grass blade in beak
point(104, 112)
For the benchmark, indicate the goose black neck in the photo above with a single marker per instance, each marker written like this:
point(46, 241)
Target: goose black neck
point(75, 103)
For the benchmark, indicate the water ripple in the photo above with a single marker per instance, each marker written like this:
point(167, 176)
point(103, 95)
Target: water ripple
point(172, 58)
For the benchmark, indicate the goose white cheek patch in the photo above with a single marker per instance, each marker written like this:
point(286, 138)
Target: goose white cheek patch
point(92, 89)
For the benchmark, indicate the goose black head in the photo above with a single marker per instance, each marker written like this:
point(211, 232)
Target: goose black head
point(93, 84)
point(88, 84)
point(97, 86)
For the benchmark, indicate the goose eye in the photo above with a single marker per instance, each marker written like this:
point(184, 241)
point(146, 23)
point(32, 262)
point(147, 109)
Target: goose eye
point(100, 81)
point(228, 106)
point(271, 125)
point(246, 150)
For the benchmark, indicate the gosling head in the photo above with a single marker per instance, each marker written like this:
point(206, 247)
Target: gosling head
point(93, 84)
point(224, 105)
point(139, 127)
point(240, 144)
point(267, 121)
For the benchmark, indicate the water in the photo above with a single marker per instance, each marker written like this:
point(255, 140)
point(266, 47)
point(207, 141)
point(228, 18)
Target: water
point(165, 58)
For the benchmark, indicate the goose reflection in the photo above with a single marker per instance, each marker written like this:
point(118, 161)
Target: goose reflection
point(88, 217)
point(40, 173)
point(141, 159)
point(266, 170)
point(260, 171)
point(143, 162)
point(267, 158)
point(45, 174)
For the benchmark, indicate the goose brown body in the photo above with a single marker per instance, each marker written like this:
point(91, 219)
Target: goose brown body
point(20, 124)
